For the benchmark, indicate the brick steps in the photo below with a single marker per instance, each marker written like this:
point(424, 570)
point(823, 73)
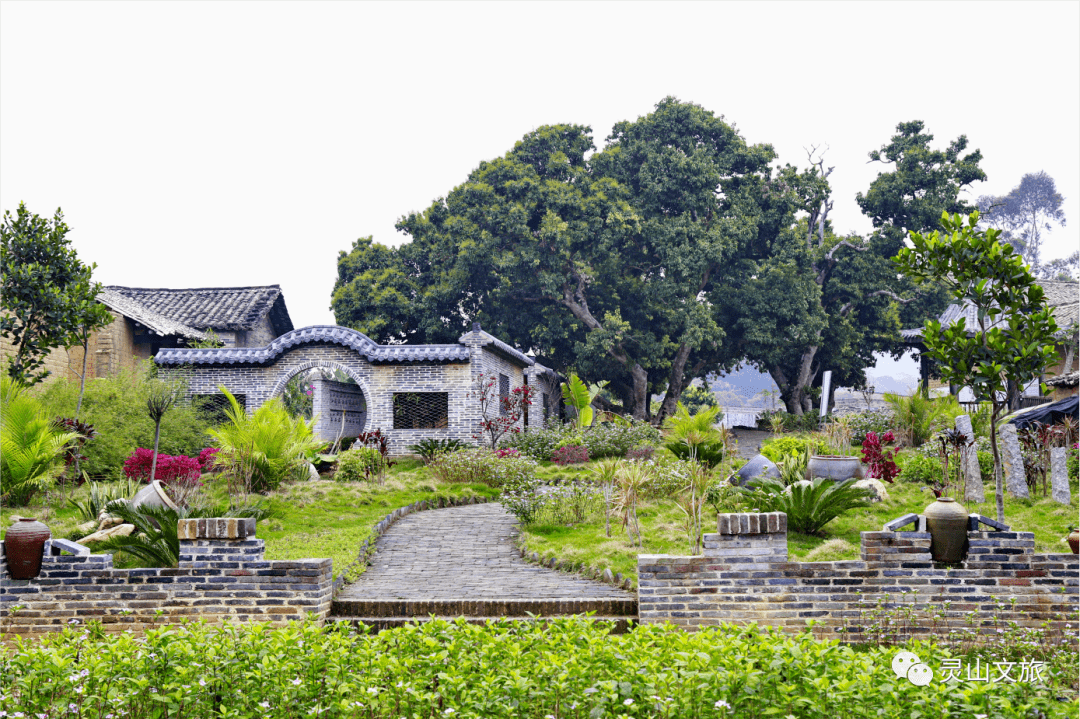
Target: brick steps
point(483, 608)
point(378, 624)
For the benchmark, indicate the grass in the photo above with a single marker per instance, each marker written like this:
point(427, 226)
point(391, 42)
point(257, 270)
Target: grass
point(663, 533)
point(320, 518)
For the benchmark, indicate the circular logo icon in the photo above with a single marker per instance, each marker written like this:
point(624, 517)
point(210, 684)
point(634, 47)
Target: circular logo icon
point(920, 675)
point(904, 661)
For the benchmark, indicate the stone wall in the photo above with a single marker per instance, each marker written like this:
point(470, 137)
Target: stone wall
point(221, 574)
point(377, 382)
point(744, 576)
point(329, 400)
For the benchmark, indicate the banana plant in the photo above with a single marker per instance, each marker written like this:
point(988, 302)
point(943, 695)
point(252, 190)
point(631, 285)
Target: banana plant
point(580, 397)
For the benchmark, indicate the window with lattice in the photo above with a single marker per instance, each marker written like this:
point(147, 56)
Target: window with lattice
point(421, 410)
point(213, 406)
point(504, 393)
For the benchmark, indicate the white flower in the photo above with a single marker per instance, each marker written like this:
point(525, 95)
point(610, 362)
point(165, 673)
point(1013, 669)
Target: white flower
point(296, 682)
point(448, 712)
point(628, 702)
point(373, 690)
point(721, 704)
point(202, 682)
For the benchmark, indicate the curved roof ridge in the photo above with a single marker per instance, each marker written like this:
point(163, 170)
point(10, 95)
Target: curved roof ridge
point(244, 355)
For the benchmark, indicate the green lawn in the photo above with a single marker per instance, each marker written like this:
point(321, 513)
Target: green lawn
point(663, 527)
point(308, 519)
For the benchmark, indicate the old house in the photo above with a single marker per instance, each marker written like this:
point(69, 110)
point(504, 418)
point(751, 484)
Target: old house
point(146, 320)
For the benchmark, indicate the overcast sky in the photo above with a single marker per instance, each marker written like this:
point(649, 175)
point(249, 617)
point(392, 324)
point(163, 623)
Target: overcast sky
point(228, 144)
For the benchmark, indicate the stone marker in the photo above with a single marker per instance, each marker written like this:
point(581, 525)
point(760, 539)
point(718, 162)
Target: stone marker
point(969, 463)
point(1012, 461)
point(756, 467)
point(1059, 475)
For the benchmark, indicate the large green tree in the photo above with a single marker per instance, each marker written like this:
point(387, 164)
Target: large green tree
point(603, 265)
point(47, 297)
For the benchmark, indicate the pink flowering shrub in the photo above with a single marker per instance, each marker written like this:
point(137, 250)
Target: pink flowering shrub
point(206, 458)
point(570, 454)
point(507, 452)
point(179, 470)
point(878, 457)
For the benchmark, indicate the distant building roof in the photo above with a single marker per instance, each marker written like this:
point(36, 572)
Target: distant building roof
point(154, 321)
point(1063, 298)
point(1071, 379)
point(219, 308)
point(498, 346)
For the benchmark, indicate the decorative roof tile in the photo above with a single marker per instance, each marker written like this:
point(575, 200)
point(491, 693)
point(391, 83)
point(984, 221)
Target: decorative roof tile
point(332, 334)
point(220, 308)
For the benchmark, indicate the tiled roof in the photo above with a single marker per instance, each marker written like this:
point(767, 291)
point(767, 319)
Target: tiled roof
point(220, 308)
point(155, 322)
point(499, 347)
point(1072, 379)
point(334, 334)
point(1063, 299)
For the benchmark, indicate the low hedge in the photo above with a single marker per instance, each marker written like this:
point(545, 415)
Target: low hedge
point(567, 668)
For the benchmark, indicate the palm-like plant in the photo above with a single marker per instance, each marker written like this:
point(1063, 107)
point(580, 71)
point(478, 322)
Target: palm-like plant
point(809, 505)
point(155, 541)
point(630, 478)
point(695, 436)
point(260, 451)
point(918, 417)
point(31, 444)
point(605, 472)
point(580, 397)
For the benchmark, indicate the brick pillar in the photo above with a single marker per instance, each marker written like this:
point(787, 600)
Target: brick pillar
point(749, 537)
point(218, 540)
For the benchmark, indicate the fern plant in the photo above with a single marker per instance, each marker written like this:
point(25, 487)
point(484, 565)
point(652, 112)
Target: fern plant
point(260, 451)
point(32, 445)
point(429, 449)
point(809, 505)
point(695, 436)
point(919, 418)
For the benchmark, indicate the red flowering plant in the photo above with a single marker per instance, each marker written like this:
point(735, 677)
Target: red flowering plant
point(181, 475)
point(507, 452)
point(879, 457)
point(499, 413)
point(570, 454)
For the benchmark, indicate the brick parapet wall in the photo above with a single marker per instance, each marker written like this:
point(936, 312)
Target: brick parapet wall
point(217, 578)
point(745, 577)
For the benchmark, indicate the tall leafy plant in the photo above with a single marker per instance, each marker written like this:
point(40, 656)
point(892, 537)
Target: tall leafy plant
point(264, 449)
point(580, 397)
point(695, 436)
point(32, 445)
point(1013, 337)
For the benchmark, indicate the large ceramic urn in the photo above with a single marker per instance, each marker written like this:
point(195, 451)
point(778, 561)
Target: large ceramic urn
point(833, 467)
point(24, 545)
point(1074, 541)
point(947, 522)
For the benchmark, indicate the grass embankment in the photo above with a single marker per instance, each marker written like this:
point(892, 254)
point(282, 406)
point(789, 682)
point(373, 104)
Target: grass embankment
point(663, 532)
point(313, 519)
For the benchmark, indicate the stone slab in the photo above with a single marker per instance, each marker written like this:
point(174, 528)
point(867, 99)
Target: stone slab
point(974, 490)
point(1059, 475)
point(1012, 460)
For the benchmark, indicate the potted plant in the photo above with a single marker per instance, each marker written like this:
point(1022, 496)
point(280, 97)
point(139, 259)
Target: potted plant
point(840, 464)
point(1074, 539)
point(946, 519)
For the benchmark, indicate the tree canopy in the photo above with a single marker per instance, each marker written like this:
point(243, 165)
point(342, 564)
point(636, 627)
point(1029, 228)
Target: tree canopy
point(1023, 215)
point(48, 295)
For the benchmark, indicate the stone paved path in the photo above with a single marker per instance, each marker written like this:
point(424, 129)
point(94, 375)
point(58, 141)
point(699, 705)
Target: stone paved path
point(463, 553)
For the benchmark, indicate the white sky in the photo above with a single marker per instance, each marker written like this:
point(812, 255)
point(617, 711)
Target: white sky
point(228, 144)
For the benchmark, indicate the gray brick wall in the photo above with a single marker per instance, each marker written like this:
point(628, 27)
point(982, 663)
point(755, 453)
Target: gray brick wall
point(376, 382)
point(744, 576)
point(221, 575)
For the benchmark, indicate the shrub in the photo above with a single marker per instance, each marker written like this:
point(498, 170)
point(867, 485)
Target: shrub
point(116, 406)
point(776, 448)
point(667, 477)
point(170, 469)
point(32, 445)
point(1072, 463)
point(360, 463)
point(570, 454)
point(917, 418)
point(641, 453)
point(481, 466)
point(915, 467)
point(568, 666)
point(429, 449)
point(610, 439)
point(261, 450)
point(507, 452)
point(879, 422)
point(809, 505)
point(879, 457)
point(521, 496)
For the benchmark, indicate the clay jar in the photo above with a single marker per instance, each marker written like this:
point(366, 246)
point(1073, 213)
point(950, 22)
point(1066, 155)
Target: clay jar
point(1074, 541)
point(24, 545)
point(947, 521)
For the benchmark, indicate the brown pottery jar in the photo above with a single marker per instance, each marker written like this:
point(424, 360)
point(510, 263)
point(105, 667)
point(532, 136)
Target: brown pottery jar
point(24, 545)
point(947, 522)
point(1074, 541)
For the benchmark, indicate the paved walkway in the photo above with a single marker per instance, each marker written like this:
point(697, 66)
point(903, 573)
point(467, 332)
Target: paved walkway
point(463, 553)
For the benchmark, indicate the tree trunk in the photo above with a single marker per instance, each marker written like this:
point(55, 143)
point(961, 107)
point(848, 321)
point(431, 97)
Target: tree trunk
point(796, 392)
point(675, 383)
point(153, 460)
